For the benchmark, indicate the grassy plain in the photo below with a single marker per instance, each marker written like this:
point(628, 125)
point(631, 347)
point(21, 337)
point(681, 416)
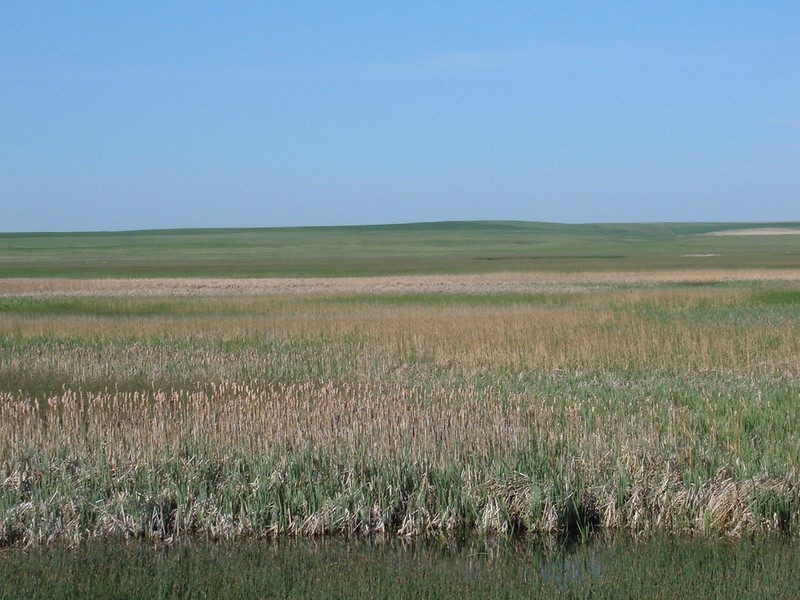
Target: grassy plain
point(454, 247)
point(497, 403)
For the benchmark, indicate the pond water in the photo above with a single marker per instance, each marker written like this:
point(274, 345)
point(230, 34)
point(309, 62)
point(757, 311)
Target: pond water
point(473, 567)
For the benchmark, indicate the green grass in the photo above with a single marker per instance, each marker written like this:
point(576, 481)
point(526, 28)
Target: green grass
point(95, 307)
point(449, 247)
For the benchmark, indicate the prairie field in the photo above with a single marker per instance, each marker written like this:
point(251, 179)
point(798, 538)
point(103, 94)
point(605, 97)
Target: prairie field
point(405, 249)
point(640, 402)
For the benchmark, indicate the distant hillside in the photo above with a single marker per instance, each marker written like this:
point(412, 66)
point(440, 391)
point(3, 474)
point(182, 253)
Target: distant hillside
point(445, 247)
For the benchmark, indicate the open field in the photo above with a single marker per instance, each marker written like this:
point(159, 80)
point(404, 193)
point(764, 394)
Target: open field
point(500, 403)
point(453, 247)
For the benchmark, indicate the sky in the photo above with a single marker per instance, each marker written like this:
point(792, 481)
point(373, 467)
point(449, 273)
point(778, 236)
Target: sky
point(143, 115)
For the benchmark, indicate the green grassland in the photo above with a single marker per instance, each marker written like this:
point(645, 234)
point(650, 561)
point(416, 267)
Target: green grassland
point(449, 247)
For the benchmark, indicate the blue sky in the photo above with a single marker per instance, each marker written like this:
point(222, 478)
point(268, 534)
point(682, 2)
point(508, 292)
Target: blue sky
point(209, 114)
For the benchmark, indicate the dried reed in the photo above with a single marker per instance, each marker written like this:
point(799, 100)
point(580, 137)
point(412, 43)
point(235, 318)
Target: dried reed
point(639, 409)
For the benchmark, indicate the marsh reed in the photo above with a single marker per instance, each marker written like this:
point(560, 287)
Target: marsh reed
point(667, 408)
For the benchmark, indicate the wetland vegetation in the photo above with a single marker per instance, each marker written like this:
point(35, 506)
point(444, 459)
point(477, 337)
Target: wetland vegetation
point(204, 416)
point(486, 568)
point(667, 407)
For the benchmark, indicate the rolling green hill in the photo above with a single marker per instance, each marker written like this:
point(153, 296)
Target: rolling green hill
point(452, 247)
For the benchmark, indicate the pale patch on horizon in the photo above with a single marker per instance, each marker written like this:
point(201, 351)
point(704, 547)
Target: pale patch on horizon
point(756, 231)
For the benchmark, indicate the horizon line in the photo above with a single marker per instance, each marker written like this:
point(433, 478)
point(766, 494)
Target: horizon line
point(385, 224)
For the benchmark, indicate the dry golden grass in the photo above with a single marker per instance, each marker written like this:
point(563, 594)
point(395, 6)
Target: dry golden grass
point(223, 461)
point(656, 329)
point(523, 282)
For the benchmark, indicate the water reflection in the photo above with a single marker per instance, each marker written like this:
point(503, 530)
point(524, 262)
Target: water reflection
point(462, 567)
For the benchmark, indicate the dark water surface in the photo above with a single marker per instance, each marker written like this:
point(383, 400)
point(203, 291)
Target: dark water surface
point(392, 568)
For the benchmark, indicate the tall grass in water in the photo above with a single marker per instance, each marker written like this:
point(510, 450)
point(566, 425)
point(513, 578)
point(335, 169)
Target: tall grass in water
point(642, 409)
point(487, 568)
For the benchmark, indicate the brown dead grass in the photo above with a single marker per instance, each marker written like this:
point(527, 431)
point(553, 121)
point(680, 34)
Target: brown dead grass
point(530, 282)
